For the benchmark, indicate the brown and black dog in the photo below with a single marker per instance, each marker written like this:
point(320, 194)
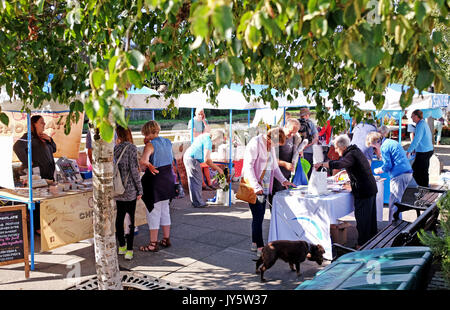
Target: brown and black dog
point(292, 252)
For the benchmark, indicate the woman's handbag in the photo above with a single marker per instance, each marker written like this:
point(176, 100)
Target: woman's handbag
point(246, 191)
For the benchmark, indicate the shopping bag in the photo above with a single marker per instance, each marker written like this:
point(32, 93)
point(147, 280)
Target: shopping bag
point(179, 191)
point(318, 182)
point(300, 177)
point(246, 192)
point(305, 165)
point(317, 154)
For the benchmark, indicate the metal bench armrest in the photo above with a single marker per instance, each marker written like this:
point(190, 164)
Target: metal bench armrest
point(434, 190)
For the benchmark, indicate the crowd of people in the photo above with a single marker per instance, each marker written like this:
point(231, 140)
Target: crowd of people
point(271, 161)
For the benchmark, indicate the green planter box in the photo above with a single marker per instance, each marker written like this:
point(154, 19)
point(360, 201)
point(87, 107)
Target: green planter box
point(396, 268)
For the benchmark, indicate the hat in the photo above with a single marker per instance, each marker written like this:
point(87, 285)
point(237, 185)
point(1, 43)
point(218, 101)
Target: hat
point(304, 111)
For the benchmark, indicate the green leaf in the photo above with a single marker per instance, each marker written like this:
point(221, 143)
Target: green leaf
point(424, 79)
point(420, 10)
point(98, 77)
point(373, 57)
point(118, 112)
point(112, 65)
point(437, 37)
point(319, 26)
point(76, 106)
point(349, 15)
point(4, 118)
point(136, 59)
point(106, 131)
point(135, 78)
point(40, 5)
point(308, 63)
point(237, 65)
point(236, 45)
point(224, 73)
point(222, 19)
point(312, 6)
point(295, 81)
point(357, 51)
point(323, 47)
point(252, 37)
point(89, 109)
point(199, 23)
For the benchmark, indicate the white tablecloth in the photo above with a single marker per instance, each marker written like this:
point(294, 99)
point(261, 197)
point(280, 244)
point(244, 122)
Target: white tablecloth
point(295, 217)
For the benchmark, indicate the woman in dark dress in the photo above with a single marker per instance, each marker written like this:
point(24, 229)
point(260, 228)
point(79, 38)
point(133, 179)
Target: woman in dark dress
point(42, 149)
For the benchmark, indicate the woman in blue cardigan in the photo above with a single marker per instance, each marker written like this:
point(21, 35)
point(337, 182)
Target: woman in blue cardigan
point(395, 163)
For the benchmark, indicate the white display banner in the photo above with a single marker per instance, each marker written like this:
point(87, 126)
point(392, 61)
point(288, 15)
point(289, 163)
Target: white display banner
point(6, 175)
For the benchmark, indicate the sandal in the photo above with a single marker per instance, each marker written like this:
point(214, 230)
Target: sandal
point(165, 243)
point(146, 248)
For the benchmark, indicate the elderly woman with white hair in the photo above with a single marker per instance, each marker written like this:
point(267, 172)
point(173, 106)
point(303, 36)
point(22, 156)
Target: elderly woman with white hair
point(362, 182)
point(199, 152)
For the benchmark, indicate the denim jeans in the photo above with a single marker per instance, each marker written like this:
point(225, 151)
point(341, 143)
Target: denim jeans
point(258, 210)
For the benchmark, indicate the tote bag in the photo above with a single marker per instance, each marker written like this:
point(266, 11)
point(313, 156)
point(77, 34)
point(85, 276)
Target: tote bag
point(118, 187)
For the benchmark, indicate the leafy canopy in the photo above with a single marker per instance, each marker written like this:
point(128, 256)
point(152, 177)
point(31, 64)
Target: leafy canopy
point(97, 49)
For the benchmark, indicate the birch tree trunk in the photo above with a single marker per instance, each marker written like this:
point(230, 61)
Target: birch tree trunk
point(106, 259)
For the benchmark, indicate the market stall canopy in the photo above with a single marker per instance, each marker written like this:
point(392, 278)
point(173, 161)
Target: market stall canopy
point(147, 99)
point(431, 104)
point(13, 104)
point(227, 99)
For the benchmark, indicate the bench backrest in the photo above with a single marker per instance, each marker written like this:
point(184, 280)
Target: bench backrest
point(427, 220)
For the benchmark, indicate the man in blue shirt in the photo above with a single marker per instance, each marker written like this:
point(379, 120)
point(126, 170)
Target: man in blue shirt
point(360, 133)
point(199, 152)
point(423, 145)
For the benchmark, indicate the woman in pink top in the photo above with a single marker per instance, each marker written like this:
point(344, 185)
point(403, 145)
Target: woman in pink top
point(260, 156)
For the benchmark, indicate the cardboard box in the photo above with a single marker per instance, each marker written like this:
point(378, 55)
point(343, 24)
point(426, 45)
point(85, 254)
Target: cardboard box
point(338, 232)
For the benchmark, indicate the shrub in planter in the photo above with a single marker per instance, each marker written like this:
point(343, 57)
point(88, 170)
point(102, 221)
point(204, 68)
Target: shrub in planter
point(445, 131)
point(440, 243)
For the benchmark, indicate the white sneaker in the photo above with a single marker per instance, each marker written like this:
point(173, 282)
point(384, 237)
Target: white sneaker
point(253, 248)
point(129, 255)
point(258, 252)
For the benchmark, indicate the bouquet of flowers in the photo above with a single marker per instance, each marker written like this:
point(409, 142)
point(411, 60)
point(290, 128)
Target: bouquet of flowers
point(221, 180)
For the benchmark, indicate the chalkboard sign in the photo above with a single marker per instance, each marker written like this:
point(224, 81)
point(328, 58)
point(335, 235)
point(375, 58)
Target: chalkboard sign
point(13, 236)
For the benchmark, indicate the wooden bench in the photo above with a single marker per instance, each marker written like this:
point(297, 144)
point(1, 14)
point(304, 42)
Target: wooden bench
point(403, 233)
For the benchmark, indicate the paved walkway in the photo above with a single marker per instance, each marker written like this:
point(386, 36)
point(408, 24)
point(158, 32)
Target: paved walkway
point(210, 251)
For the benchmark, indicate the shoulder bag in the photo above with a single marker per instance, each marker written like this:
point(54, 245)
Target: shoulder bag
point(118, 187)
point(246, 191)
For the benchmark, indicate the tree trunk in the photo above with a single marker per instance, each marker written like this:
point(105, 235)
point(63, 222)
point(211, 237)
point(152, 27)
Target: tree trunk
point(106, 259)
